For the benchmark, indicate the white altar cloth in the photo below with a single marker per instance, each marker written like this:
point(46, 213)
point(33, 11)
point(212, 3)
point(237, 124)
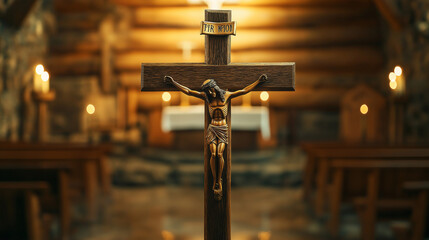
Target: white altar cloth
point(192, 118)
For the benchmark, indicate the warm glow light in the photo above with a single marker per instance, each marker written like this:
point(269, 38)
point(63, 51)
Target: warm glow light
point(364, 109)
point(45, 76)
point(214, 4)
point(90, 109)
point(264, 96)
point(166, 96)
point(40, 69)
point(392, 76)
point(398, 71)
point(393, 85)
point(264, 236)
point(166, 235)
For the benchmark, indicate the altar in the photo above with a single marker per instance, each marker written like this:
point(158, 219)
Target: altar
point(187, 124)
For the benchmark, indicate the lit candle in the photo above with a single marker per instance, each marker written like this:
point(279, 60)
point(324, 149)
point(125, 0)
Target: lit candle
point(397, 81)
point(400, 80)
point(45, 82)
point(37, 78)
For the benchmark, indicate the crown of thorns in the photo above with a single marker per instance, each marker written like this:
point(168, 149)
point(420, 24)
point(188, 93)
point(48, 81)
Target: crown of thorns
point(209, 84)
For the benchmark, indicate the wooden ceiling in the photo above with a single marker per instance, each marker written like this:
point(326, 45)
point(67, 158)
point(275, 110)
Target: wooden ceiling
point(335, 43)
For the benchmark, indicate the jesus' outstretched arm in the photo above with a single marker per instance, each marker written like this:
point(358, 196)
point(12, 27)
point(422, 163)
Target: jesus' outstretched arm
point(262, 78)
point(184, 89)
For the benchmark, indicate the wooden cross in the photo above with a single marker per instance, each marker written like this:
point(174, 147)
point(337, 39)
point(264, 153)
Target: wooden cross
point(217, 66)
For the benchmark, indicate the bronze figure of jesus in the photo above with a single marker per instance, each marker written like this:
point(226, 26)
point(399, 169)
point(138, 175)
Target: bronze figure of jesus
point(217, 132)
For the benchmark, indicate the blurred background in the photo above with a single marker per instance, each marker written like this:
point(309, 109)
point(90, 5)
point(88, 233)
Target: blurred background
point(85, 155)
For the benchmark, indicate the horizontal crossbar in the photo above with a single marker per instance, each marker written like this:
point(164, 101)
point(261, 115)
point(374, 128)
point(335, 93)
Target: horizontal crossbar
point(281, 76)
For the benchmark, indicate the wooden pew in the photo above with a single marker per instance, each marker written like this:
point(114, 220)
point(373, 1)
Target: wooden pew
point(32, 204)
point(419, 215)
point(312, 148)
point(26, 176)
point(80, 162)
point(322, 158)
point(377, 195)
point(103, 170)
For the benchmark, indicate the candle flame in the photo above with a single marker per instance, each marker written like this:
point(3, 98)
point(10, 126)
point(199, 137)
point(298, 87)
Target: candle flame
point(392, 76)
point(40, 69)
point(264, 96)
point(90, 109)
point(364, 109)
point(398, 71)
point(166, 96)
point(45, 76)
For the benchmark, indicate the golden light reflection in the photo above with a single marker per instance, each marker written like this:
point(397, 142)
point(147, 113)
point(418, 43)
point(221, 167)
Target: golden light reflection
point(90, 109)
point(398, 71)
point(264, 96)
point(264, 236)
point(392, 76)
point(166, 235)
point(364, 109)
point(166, 96)
point(40, 69)
point(393, 85)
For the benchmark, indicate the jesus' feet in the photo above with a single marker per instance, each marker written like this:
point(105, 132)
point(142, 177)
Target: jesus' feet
point(217, 190)
point(217, 194)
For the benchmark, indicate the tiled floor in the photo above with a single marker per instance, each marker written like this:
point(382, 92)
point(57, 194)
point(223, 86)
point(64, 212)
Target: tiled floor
point(161, 212)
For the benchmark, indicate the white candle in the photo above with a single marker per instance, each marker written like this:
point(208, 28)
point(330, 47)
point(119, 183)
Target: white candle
point(400, 89)
point(398, 83)
point(37, 78)
point(45, 82)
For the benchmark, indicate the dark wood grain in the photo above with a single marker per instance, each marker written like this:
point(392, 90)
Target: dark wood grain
point(232, 77)
point(218, 48)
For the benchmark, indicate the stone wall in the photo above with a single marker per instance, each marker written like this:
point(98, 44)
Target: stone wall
point(21, 49)
point(409, 47)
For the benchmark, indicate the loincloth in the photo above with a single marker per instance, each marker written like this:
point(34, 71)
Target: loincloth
point(219, 133)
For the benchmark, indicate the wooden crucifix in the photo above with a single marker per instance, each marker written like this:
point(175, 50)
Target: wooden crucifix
point(207, 81)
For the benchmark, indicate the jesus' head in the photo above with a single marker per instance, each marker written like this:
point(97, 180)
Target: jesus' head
point(212, 90)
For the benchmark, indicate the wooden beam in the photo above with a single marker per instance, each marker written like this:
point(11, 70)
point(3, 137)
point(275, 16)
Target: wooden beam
point(186, 17)
point(389, 13)
point(232, 76)
point(106, 33)
point(79, 21)
point(304, 79)
point(365, 59)
point(174, 39)
point(289, 3)
point(74, 64)
point(88, 42)
point(78, 5)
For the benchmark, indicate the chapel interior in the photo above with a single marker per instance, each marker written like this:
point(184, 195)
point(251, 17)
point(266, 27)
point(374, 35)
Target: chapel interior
point(86, 155)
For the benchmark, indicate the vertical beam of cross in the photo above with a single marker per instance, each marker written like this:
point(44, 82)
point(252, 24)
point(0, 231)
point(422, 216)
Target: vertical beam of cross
point(217, 216)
